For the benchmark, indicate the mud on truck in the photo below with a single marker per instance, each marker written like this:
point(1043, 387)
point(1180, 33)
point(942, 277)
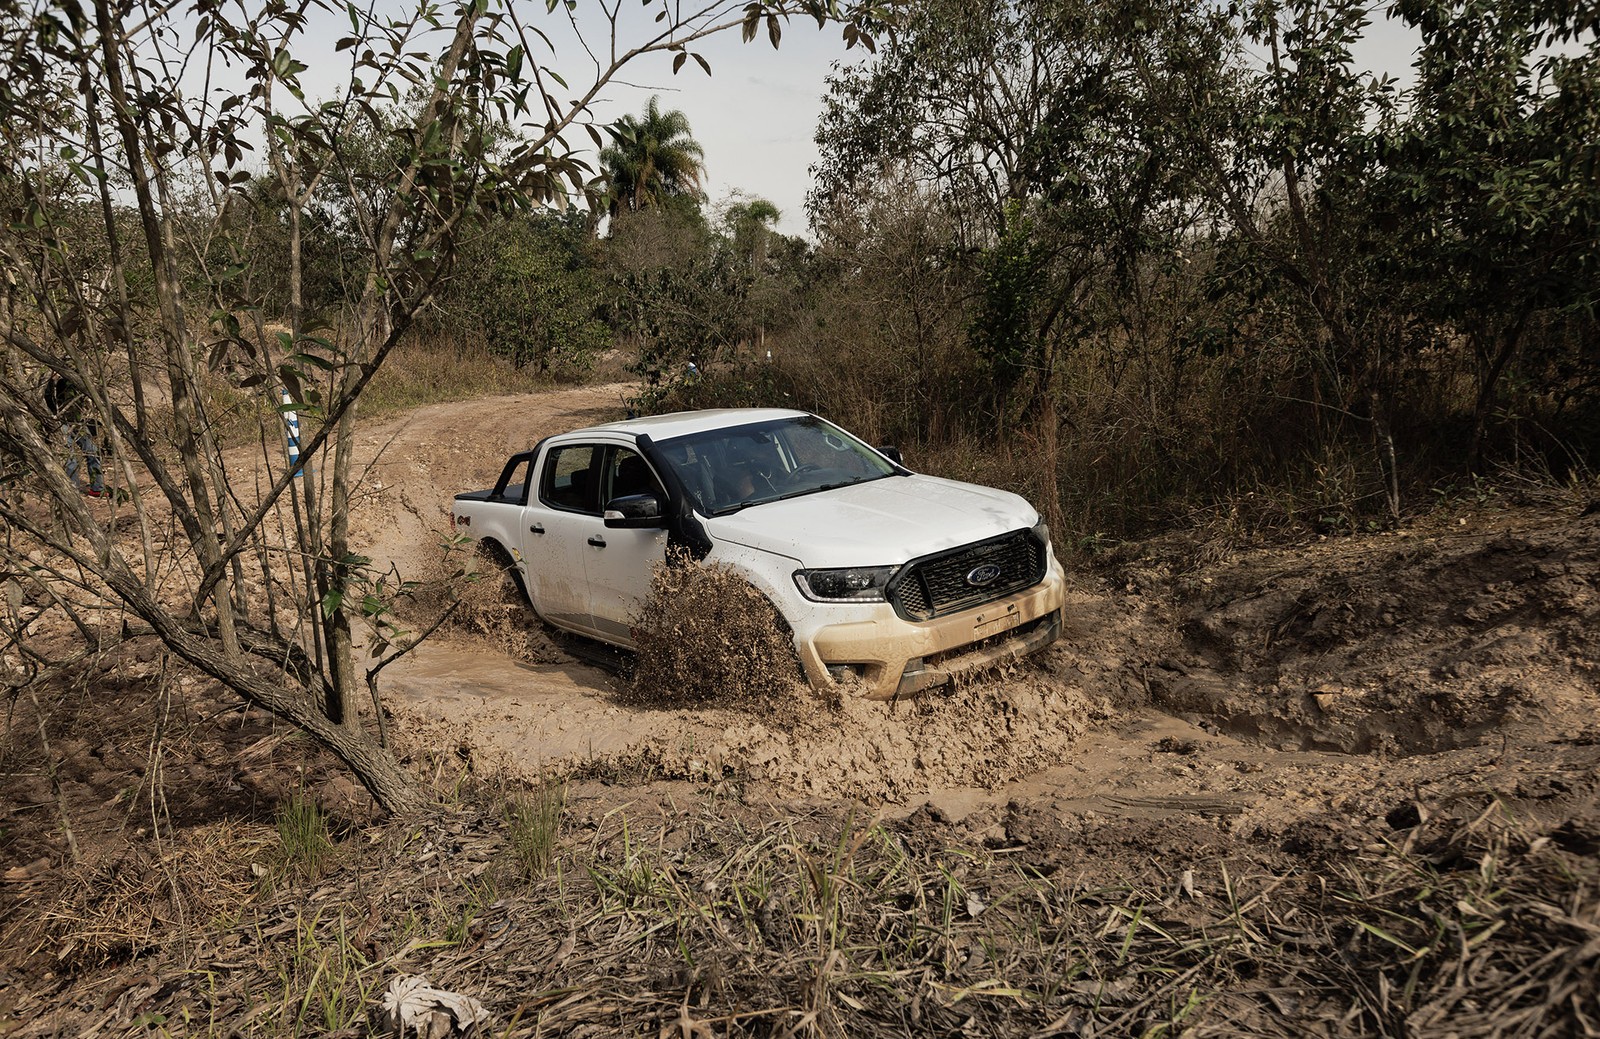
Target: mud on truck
point(891, 581)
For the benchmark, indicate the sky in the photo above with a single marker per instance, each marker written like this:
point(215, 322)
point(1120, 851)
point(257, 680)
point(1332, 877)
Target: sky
point(756, 114)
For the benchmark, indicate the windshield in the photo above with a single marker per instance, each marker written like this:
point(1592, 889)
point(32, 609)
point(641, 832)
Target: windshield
point(725, 470)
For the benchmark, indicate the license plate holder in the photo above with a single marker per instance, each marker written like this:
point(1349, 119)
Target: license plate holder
point(994, 624)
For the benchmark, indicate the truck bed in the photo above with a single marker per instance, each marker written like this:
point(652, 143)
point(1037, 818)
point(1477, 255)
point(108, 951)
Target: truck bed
point(512, 493)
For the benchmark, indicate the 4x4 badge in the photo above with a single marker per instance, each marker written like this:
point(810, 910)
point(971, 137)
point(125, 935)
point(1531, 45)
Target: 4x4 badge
point(979, 576)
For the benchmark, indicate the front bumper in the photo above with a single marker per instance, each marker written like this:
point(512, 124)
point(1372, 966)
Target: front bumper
point(890, 656)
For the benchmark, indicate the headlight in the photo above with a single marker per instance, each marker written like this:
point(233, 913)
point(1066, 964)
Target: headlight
point(853, 584)
point(1041, 530)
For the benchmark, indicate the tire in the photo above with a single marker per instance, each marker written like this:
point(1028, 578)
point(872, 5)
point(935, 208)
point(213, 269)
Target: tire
point(499, 560)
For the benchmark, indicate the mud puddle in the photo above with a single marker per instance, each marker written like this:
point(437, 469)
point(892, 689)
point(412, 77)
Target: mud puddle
point(514, 714)
point(526, 718)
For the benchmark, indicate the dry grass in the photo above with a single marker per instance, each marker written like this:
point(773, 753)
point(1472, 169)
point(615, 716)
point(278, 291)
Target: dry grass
point(434, 369)
point(705, 634)
point(728, 922)
point(148, 896)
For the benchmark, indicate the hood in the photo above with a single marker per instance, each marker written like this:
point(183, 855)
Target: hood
point(877, 523)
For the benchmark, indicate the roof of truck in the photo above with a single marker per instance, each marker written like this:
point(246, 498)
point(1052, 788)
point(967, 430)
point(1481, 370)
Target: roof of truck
point(665, 427)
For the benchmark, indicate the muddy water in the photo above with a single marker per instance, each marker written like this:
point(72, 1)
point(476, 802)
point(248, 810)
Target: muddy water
point(514, 714)
point(1021, 739)
point(960, 748)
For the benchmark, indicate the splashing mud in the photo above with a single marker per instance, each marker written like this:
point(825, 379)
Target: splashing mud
point(526, 719)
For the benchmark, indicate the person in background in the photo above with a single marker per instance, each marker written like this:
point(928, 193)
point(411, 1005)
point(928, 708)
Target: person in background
point(77, 433)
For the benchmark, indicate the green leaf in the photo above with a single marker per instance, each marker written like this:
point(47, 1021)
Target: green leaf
point(1386, 936)
point(313, 361)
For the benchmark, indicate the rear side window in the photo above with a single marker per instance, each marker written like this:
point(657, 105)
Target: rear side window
point(571, 478)
point(515, 480)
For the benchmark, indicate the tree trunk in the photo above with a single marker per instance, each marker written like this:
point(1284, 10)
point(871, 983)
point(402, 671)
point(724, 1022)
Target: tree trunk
point(1488, 390)
point(194, 442)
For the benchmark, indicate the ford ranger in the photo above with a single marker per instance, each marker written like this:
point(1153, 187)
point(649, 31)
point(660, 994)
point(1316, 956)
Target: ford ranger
point(889, 580)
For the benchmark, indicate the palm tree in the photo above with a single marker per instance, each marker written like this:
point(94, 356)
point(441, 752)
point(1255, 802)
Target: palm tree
point(651, 159)
point(750, 225)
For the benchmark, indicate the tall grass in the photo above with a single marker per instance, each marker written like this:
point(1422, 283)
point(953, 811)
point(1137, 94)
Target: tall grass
point(533, 825)
point(430, 369)
point(305, 846)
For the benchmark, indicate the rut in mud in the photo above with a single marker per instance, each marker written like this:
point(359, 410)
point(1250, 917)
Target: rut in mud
point(1412, 643)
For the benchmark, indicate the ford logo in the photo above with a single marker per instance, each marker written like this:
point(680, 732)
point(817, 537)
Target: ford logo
point(986, 574)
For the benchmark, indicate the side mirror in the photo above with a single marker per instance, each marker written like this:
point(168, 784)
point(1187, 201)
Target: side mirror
point(892, 453)
point(640, 511)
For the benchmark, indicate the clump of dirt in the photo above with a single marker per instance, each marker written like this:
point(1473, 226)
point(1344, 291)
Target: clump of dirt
point(1412, 643)
point(705, 635)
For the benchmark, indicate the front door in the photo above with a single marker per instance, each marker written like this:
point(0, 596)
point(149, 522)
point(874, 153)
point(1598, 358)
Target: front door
point(619, 569)
point(560, 516)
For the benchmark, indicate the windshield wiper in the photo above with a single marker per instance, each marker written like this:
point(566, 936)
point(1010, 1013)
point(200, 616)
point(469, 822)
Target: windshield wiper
point(827, 487)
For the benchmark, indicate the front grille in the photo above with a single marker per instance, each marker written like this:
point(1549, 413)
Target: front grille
point(939, 584)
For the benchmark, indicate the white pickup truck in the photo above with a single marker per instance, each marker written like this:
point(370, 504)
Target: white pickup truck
point(891, 579)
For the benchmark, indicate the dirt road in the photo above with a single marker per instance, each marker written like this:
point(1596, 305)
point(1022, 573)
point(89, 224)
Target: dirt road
point(1256, 688)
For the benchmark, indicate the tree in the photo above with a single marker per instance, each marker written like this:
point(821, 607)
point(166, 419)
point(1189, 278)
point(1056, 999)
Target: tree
point(531, 285)
point(1282, 158)
point(651, 159)
point(1028, 120)
point(263, 587)
point(1495, 178)
point(748, 225)
point(675, 295)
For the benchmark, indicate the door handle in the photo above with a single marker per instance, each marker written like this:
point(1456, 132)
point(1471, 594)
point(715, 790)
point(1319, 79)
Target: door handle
point(597, 541)
point(537, 528)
